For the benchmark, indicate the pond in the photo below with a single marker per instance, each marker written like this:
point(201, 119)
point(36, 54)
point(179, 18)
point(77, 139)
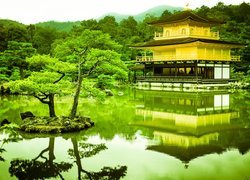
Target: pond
point(137, 135)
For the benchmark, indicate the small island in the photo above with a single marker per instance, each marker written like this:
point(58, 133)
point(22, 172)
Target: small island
point(52, 125)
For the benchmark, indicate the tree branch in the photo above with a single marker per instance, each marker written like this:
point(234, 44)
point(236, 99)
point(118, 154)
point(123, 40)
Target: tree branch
point(88, 174)
point(40, 155)
point(63, 74)
point(46, 95)
point(81, 55)
point(84, 51)
point(91, 69)
point(60, 175)
point(42, 100)
point(81, 63)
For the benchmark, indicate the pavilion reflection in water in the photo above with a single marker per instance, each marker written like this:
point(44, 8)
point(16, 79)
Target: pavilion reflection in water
point(189, 125)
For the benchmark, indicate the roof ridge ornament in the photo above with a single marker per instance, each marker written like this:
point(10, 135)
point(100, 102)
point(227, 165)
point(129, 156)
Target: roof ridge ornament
point(187, 8)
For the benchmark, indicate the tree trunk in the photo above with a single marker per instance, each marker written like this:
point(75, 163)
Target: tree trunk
point(51, 150)
point(77, 93)
point(21, 73)
point(78, 160)
point(51, 105)
point(77, 156)
point(76, 97)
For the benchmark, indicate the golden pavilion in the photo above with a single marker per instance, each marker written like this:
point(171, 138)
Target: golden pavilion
point(187, 50)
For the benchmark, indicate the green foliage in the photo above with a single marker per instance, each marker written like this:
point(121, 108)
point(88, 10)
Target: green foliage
point(128, 27)
point(15, 75)
point(10, 135)
point(91, 91)
point(38, 62)
point(47, 82)
point(243, 80)
point(121, 76)
point(45, 62)
point(49, 71)
point(39, 82)
point(246, 80)
point(104, 81)
point(11, 31)
point(15, 56)
point(90, 24)
point(32, 169)
point(87, 150)
point(110, 173)
point(145, 31)
point(3, 38)
point(109, 25)
point(40, 37)
point(43, 38)
point(165, 14)
point(3, 75)
point(71, 49)
point(100, 56)
point(60, 26)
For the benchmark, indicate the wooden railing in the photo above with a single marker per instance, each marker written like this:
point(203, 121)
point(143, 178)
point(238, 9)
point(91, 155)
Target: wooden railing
point(169, 78)
point(185, 57)
point(144, 58)
point(179, 79)
point(235, 58)
point(209, 35)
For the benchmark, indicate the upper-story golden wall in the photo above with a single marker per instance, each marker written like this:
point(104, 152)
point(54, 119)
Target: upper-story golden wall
point(185, 29)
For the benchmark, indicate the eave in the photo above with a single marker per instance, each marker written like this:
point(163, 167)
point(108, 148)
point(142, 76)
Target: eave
point(185, 41)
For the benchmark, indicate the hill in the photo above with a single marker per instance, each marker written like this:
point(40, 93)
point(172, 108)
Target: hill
point(7, 22)
point(67, 26)
point(156, 11)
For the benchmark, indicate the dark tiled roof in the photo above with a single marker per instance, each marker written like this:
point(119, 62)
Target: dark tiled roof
point(181, 41)
point(182, 16)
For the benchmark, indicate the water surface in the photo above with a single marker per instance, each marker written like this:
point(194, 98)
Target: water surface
point(140, 135)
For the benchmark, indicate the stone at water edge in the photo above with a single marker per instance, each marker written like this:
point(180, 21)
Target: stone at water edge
point(109, 92)
point(26, 114)
point(5, 121)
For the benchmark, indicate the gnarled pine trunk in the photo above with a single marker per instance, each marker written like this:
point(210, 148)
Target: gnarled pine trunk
point(51, 105)
point(77, 93)
point(76, 97)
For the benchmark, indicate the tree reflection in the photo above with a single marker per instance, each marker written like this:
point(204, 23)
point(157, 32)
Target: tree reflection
point(9, 135)
point(34, 169)
point(84, 150)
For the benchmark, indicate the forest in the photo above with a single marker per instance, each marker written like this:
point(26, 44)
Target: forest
point(98, 50)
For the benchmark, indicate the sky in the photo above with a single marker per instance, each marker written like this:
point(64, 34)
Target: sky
point(33, 11)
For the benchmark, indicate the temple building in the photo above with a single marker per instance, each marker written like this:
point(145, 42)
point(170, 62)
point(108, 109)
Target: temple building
point(186, 51)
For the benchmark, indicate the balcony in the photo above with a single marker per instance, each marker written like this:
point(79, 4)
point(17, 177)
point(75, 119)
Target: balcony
point(186, 57)
point(203, 34)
